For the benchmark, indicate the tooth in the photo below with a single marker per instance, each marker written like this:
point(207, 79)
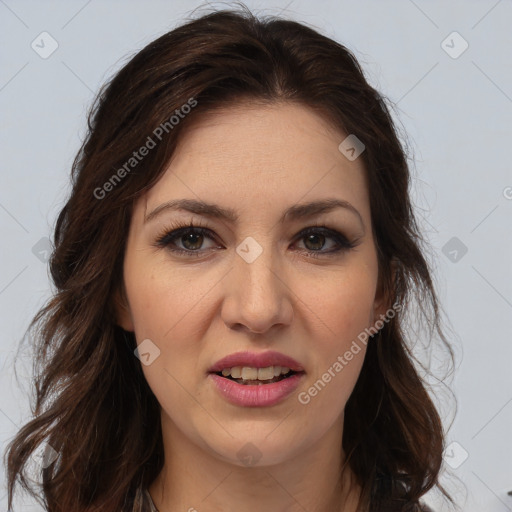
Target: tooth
point(236, 372)
point(251, 373)
point(248, 373)
point(266, 373)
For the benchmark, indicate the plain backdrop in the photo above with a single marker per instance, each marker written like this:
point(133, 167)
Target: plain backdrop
point(447, 67)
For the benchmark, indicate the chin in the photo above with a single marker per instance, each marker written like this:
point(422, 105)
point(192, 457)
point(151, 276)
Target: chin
point(266, 448)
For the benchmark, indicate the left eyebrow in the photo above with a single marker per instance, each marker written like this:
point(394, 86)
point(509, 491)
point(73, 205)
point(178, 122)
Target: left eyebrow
point(293, 213)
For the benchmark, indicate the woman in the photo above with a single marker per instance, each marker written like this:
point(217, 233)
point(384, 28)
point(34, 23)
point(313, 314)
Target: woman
point(233, 269)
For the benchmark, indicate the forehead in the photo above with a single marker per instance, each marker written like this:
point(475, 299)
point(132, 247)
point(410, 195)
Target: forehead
point(251, 152)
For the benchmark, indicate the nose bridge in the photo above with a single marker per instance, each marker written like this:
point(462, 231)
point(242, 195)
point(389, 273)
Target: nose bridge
point(259, 297)
point(256, 265)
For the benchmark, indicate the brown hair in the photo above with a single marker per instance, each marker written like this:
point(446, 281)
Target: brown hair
point(93, 404)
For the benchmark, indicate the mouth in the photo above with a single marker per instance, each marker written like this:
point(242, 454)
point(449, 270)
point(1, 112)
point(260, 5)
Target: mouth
point(251, 376)
point(256, 379)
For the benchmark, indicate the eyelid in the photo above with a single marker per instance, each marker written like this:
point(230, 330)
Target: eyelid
point(344, 244)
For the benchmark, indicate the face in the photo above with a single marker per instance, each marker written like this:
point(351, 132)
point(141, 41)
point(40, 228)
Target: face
point(302, 284)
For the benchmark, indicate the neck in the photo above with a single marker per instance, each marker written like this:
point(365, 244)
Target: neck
point(194, 478)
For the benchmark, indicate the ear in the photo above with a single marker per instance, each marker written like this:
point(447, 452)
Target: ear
point(383, 297)
point(122, 310)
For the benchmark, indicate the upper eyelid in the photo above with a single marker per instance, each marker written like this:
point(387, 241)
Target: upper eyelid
point(198, 227)
point(335, 233)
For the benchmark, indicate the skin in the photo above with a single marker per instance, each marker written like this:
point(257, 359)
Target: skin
point(258, 160)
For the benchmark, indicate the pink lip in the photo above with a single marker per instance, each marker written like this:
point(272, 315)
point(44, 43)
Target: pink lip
point(256, 360)
point(258, 395)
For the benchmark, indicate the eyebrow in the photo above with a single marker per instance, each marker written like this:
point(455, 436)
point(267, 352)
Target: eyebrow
point(295, 212)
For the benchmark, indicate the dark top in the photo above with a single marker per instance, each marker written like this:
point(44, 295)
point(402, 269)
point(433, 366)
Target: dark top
point(144, 503)
point(398, 506)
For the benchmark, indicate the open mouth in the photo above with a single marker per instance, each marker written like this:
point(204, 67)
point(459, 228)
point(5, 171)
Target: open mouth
point(256, 376)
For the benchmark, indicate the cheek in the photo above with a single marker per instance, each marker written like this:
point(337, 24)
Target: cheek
point(341, 306)
point(168, 308)
point(340, 310)
point(164, 301)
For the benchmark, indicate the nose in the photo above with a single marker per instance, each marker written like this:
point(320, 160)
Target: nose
point(257, 296)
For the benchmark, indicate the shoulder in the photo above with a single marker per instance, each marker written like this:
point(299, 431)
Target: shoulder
point(399, 506)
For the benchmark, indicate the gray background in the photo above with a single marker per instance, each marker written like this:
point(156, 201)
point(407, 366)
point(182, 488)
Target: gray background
point(456, 110)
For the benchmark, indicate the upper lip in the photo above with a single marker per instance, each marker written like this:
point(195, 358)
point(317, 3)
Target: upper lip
point(256, 360)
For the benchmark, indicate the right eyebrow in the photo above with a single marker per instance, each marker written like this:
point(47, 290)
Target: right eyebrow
point(293, 213)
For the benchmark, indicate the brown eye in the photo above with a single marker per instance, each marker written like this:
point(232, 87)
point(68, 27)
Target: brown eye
point(315, 240)
point(194, 239)
point(191, 239)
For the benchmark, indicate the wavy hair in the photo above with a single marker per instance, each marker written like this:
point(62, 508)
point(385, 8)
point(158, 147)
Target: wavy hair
point(93, 405)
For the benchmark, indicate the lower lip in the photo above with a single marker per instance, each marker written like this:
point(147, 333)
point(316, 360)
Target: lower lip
point(258, 395)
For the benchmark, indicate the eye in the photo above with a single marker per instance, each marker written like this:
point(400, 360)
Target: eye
point(314, 240)
point(191, 237)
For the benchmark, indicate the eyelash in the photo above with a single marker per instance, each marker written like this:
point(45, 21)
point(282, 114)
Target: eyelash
point(177, 230)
